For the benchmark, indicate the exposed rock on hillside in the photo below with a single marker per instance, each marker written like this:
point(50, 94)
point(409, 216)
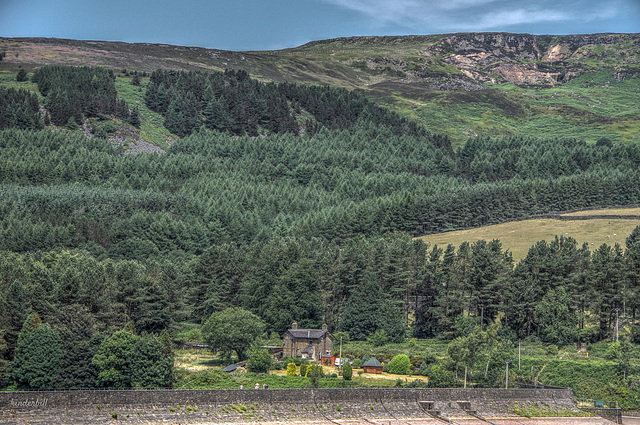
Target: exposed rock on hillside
point(532, 60)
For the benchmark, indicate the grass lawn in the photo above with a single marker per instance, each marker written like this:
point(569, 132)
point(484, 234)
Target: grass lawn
point(519, 236)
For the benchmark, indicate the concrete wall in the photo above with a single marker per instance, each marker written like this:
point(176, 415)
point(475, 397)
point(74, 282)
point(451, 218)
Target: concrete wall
point(206, 406)
point(82, 398)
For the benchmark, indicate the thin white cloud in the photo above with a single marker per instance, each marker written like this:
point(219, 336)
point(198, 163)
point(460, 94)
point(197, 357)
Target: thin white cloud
point(507, 18)
point(477, 15)
point(382, 10)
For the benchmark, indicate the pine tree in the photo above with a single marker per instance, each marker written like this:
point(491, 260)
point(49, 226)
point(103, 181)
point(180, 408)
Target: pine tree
point(361, 314)
point(22, 75)
point(134, 117)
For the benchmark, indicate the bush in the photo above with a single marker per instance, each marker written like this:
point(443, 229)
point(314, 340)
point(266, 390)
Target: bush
point(71, 124)
point(552, 349)
point(315, 372)
point(347, 372)
point(357, 364)
point(417, 383)
point(399, 365)
point(440, 378)
point(344, 335)
point(260, 361)
point(109, 127)
point(291, 369)
point(429, 357)
point(303, 370)
point(379, 338)
point(207, 378)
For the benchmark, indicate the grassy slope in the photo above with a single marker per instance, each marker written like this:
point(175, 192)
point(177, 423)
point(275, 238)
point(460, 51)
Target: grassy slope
point(589, 107)
point(519, 236)
point(151, 123)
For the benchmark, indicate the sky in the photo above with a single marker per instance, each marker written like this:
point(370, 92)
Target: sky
point(276, 24)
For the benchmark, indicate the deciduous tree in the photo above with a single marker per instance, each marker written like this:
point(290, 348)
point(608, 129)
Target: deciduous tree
point(233, 329)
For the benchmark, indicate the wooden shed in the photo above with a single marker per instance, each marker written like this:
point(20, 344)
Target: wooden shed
point(372, 366)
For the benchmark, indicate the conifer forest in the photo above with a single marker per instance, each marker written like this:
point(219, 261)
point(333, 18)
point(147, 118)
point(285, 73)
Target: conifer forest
point(293, 202)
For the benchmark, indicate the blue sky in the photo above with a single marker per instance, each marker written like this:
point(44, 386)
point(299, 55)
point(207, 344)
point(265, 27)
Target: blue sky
point(276, 24)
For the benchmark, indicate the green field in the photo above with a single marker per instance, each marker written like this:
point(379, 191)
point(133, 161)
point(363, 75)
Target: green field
point(519, 236)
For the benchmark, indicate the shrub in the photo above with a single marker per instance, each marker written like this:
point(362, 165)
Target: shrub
point(440, 378)
point(399, 365)
point(379, 338)
point(303, 370)
point(344, 335)
point(429, 357)
point(260, 361)
point(347, 372)
point(357, 364)
point(208, 377)
point(109, 127)
point(71, 124)
point(315, 372)
point(291, 369)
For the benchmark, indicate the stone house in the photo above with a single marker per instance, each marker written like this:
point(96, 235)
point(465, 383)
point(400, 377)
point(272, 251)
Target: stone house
point(312, 344)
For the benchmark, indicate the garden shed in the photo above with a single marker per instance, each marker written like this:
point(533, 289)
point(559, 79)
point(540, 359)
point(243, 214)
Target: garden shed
point(372, 366)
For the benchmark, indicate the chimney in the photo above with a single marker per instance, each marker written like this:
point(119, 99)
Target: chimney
point(324, 326)
point(294, 325)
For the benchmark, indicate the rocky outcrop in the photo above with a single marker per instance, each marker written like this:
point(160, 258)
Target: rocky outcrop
point(531, 60)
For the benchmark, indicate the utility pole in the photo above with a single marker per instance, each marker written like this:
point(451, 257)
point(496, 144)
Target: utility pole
point(506, 381)
point(617, 310)
point(465, 376)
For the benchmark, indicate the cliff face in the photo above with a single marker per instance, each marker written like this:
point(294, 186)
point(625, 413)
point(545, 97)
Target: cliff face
point(531, 60)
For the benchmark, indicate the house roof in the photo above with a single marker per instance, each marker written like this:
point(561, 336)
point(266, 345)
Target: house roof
point(308, 333)
point(308, 349)
point(372, 362)
point(230, 368)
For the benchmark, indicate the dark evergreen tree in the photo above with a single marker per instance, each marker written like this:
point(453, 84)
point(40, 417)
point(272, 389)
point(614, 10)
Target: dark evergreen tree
point(22, 75)
point(37, 359)
point(360, 316)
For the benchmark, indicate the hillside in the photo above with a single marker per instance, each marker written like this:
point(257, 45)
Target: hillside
point(283, 187)
point(593, 227)
point(461, 85)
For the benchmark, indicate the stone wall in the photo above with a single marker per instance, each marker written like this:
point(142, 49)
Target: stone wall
point(207, 406)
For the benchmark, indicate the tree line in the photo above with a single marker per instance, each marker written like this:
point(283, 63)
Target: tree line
point(233, 102)
point(384, 289)
point(19, 109)
point(66, 190)
point(72, 93)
